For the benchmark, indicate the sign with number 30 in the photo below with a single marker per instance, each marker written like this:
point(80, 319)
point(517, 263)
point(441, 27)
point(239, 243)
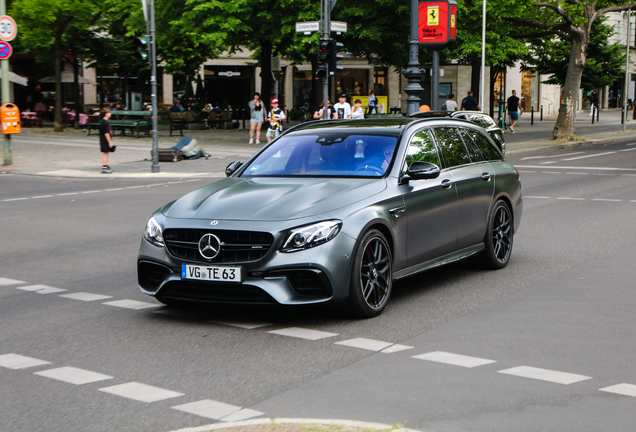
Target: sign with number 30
point(8, 28)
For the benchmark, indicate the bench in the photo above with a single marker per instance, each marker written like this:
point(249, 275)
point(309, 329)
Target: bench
point(121, 120)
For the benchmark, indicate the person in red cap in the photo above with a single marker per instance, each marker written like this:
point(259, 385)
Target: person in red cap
point(275, 118)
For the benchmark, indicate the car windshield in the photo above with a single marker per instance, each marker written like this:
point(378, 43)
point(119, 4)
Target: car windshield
point(320, 154)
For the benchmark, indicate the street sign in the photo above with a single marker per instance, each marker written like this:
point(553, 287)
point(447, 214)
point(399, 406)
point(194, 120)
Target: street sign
point(437, 23)
point(308, 26)
point(5, 50)
point(339, 26)
point(8, 28)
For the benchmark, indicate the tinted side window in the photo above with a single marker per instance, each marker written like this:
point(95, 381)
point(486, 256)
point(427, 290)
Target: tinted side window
point(474, 152)
point(422, 149)
point(451, 146)
point(482, 121)
point(486, 147)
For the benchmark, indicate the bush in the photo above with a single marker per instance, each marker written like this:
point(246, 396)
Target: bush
point(295, 114)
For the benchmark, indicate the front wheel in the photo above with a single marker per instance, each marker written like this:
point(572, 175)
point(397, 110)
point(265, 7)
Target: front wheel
point(371, 277)
point(498, 238)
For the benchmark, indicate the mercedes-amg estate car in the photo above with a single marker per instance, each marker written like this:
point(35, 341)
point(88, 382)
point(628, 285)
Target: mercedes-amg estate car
point(333, 212)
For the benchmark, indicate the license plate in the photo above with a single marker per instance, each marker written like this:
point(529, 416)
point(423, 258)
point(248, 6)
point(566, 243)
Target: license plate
point(212, 273)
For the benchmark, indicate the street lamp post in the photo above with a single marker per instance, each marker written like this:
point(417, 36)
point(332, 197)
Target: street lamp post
point(483, 57)
point(413, 73)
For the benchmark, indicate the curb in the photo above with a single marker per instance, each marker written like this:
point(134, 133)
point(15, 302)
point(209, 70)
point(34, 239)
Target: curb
point(574, 144)
point(255, 422)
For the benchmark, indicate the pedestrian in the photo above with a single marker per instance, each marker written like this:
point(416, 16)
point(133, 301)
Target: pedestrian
point(514, 110)
point(342, 107)
point(176, 107)
point(358, 112)
point(318, 115)
point(256, 117)
point(470, 103)
point(275, 119)
point(372, 102)
point(593, 102)
point(451, 105)
point(105, 139)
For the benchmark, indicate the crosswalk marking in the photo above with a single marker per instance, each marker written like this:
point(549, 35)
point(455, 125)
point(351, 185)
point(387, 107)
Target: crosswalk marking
point(17, 361)
point(364, 343)
point(131, 304)
point(453, 359)
point(73, 375)
point(544, 375)
point(623, 389)
point(302, 333)
point(140, 392)
point(84, 296)
point(396, 348)
point(241, 415)
point(7, 282)
point(208, 408)
point(41, 289)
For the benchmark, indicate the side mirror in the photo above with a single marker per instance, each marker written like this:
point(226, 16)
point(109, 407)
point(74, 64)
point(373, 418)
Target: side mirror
point(232, 167)
point(423, 171)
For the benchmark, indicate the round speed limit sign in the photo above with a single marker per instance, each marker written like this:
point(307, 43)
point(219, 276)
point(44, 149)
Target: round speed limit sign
point(8, 28)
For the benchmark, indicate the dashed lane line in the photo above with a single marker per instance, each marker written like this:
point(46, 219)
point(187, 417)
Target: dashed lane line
point(622, 389)
point(141, 392)
point(73, 375)
point(545, 375)
point(9, 282)
point(454, 359)
point(84, 296)
point(17, 361)
point(41, 289)
point(217, 410)
point(302, 333)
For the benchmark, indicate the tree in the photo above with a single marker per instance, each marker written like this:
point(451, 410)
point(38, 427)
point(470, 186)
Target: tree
point(604, 63)
point(570, 20)
point(54, 26)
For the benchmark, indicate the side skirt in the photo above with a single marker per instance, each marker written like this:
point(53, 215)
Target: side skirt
point(446, 259)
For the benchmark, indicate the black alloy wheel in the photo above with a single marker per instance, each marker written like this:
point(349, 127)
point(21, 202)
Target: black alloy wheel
point(499, 238)
point(372, 276)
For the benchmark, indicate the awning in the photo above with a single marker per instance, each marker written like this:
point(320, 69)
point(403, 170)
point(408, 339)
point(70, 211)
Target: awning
point(67, 77)
point(15, 78)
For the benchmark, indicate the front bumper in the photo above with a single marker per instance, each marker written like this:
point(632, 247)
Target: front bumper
point(317, 275)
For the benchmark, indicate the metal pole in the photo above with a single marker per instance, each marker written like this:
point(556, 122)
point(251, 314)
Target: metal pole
point(531, 115)
point(482, 75)
point(435, 81)
point(153, 83)
point(624, 116)
point(326, 15)
point(413, 73)
point(6, 97)
point(541, 113)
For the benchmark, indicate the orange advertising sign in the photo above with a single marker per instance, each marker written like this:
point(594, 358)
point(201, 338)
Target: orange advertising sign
point(10, 119)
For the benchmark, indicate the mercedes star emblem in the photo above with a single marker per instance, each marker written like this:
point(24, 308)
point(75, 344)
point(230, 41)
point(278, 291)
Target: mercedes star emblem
point(209, 246)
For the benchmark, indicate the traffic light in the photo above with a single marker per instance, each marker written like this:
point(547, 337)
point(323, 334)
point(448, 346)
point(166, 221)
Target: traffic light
point(334, 47)
point(142, 44)
point(323, 58)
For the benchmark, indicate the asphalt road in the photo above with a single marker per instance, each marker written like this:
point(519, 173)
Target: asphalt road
point(526, 348)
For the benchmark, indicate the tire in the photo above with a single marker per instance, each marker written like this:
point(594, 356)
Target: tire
point(499, 237)
point(371, 276)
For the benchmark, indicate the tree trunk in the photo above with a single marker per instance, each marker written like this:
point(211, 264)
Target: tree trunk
point(58, 125)
point(475, 65)
point(76, 90)
point(565, 127)
point(266, 74)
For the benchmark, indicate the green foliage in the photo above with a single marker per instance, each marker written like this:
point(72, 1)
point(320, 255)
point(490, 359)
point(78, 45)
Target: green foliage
point(604, 63)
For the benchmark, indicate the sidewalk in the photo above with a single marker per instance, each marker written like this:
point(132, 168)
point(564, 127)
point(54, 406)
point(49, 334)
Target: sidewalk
point(39, 151)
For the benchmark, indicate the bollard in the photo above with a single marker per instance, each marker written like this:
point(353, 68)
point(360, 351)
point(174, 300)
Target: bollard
point(623, 115)
point(598, 113)
point(243, 118)
point(287, 115)
point(593, 113)
point(541, 119)
point(531, 115)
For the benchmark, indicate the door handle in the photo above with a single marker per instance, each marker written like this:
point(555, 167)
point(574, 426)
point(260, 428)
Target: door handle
point(486, 176)
point(446, 183)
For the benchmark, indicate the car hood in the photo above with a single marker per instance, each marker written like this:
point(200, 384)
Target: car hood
point(272, 199)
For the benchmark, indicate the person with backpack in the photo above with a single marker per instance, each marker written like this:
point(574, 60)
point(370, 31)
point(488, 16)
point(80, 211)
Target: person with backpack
point(275, 118)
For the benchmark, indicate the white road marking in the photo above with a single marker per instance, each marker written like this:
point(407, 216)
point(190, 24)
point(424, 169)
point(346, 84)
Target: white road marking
point(607, 200)
point(453, 359)
point(42, 196)
point(140, 392)
point(90, 192)
point(131, 304)
point(17, 361)
point(134, 187)
point(364, 343)
point(113, 189)
point(7, 282)
point(242, 324)
point(69, 193)
point(208, 408)
point(302, 333)
point(396, 348)
point(546, 157)
point(537, 197)
point(551, 172)
point(548, 162)
point(73, 375)
point(623, 389)
point(600, 174)
point(50, 290)
point(241, 415)
point(545, 375)
point(590, 156)
point(576, 168)
point(573, 173)
point(83, 296)
point(528, 172)
point(37, 288)
point(625, 150)
point(571, 199)
point(14, 199)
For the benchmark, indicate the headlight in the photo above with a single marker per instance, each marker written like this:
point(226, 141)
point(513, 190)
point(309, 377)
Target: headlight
point(154, 232)
point(311, 235)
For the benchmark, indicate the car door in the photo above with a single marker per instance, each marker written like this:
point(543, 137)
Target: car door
point(474, 181)
point(431, 205)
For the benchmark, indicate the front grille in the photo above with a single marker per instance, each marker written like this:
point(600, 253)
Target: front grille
point(150, 275)
point(215, 292)
point(312, 283)
point(236, 246)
